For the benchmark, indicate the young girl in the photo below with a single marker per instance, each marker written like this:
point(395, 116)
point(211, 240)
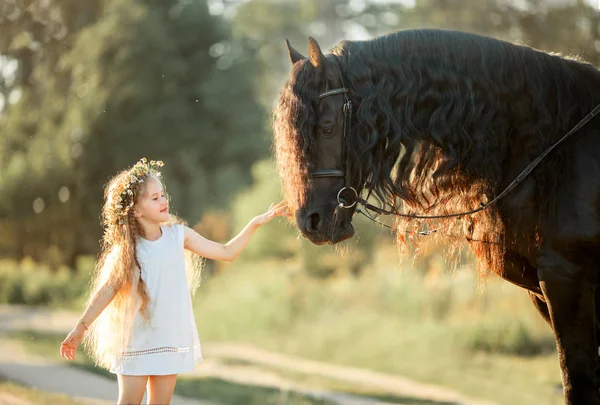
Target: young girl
point(139, 322)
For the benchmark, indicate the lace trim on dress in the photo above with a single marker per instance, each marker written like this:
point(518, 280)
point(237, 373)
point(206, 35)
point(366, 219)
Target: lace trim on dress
point(164, 349)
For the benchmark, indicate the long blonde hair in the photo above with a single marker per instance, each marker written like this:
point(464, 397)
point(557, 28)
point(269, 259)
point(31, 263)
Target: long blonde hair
point(118, 267)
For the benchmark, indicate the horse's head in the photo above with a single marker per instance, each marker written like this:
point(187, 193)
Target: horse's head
point(309, 144)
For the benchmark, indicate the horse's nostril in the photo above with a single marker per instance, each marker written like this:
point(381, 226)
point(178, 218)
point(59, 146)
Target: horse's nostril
point(313, 222)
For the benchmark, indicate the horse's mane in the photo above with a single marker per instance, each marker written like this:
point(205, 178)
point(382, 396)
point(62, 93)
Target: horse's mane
point(443, 119)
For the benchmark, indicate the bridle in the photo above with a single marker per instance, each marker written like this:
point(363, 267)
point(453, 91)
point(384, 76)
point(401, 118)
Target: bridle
point(344, 172)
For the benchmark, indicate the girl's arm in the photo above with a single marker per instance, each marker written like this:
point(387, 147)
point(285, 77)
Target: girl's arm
point(97, 304)
point(229, 252)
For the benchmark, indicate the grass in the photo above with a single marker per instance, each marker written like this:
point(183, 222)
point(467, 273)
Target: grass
point(230, 394)
point(48, 344)
point(213, 389)
point(430, 325)
point(34, 396)
point(337, 385)
point(226, 392)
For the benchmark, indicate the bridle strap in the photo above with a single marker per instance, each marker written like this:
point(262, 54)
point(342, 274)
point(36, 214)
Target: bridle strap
point(334, 92)
point(347, 109)
point(328, 173)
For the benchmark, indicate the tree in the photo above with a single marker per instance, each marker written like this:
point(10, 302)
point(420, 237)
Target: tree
point(571, 27)
point(161, 79)
point(33, 156)
point(265, 24)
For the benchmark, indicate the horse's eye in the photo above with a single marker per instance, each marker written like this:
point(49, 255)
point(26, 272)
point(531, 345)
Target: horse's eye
point(327, 131)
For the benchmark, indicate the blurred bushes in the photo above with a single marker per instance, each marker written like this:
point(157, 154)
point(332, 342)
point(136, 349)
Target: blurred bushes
point(504, 336)
point(30, 283)
point(264, 298)
point(278, 238)
point(286, 282)
point(122, 80)
point(279, 303)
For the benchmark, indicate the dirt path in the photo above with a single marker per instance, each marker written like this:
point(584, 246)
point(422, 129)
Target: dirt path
point(223, 361)
point(8, 399)
point(51, 376)
point(18, 366)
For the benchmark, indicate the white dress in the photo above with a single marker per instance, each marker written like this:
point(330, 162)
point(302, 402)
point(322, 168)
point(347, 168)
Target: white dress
point(168, 343)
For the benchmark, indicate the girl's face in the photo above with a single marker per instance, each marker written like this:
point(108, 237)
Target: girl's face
point(152, 205)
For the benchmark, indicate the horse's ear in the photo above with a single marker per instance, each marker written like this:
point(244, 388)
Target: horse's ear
point(317, 59)
point(294, 55)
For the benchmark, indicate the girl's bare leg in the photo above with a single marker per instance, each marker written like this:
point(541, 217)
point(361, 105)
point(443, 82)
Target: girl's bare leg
point(131, 389)
point(160, 389)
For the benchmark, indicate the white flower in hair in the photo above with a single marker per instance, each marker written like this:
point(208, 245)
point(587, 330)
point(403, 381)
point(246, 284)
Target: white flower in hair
point(136, 173)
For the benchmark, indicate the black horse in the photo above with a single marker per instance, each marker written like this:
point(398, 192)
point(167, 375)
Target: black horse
point(434, 122)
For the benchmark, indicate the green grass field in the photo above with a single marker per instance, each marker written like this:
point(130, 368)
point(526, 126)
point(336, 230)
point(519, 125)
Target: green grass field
point(425, 323)
point(226, 392)
point(430, 325)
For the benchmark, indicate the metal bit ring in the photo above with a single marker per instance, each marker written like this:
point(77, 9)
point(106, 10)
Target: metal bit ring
point(341, 203)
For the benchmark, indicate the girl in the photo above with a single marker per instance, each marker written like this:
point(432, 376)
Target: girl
point(139, 322)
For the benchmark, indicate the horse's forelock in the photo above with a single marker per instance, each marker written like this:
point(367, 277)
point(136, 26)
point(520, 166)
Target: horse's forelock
point(294, 119)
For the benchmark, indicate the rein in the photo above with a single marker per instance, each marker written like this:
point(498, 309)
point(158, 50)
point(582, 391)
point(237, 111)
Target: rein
point(344, 172)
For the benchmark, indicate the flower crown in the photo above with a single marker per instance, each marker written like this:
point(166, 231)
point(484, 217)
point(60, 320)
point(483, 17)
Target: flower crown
point(137, 174)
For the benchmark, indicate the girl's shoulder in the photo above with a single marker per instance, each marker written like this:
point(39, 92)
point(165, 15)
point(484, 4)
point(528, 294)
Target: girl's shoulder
point(175, 228)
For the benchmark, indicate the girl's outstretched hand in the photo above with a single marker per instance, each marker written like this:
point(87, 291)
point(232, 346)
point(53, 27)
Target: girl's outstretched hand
point(278, 210)
point(69, 345)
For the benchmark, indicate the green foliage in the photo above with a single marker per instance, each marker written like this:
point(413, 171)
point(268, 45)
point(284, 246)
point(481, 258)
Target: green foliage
point(266, 24)
point(162, 79)
point(420, 322)
point(504, 336)
point(350, 257)
point(277, 239)
point(165, 93)
point(319, 261)
point(215, 390)
point(390, 319)
point(31, 283)
point(98, 84)
point(570, 27)
point(227, 392)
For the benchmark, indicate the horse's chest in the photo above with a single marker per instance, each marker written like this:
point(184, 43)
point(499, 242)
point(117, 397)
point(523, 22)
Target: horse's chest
point(520, 211)
point(519, 214)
